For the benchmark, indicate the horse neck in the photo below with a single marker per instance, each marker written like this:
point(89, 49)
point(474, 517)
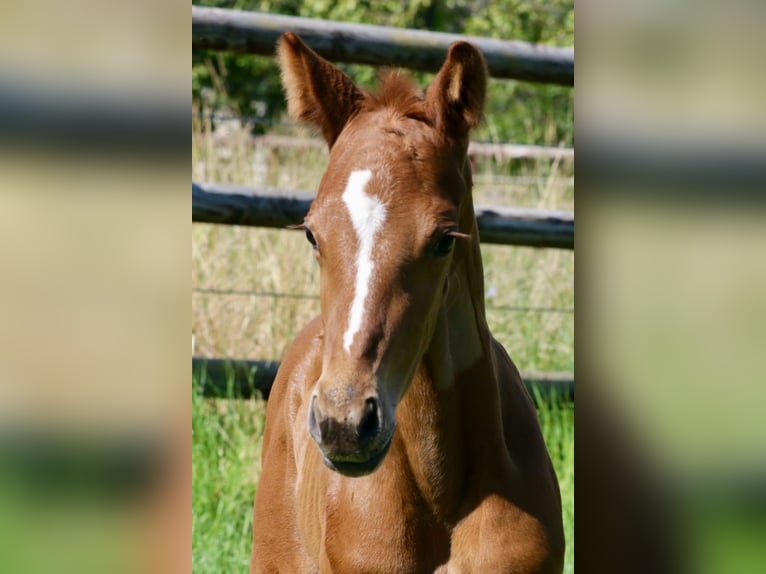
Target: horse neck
point(454, 394)
point(462, 335)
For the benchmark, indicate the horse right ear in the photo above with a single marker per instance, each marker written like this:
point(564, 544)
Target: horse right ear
point(456, 95)
point(317, 92)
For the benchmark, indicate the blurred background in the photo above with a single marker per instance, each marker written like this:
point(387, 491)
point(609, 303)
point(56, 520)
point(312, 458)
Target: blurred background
point(671, 150)
point(94, 216)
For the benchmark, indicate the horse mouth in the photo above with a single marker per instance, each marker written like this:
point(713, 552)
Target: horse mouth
point(355, 468)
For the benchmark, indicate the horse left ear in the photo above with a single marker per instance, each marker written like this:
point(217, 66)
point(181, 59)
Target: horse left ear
point(456, 96)
point(317, 92)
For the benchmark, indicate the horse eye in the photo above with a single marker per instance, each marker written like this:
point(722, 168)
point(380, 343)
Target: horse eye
point(311, 238)
point(444, 246)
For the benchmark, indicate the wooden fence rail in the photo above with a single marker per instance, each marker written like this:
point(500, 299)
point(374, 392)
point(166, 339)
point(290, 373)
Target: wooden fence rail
point(240, 378)
point(498, 151)
point(234, 205)
point(257, 33)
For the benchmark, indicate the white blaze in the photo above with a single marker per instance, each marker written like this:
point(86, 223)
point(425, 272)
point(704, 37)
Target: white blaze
point(367, 216)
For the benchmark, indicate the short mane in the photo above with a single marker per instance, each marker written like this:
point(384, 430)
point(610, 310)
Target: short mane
point(397, 92)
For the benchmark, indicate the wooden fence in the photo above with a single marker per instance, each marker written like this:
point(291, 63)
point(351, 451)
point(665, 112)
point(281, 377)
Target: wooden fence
point(234, 205)
point(257, 33)
point(497, 151)
point(239, 378)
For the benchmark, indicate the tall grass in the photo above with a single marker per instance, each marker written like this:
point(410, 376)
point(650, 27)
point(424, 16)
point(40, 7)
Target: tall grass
point(226, 445)
point(265, 266)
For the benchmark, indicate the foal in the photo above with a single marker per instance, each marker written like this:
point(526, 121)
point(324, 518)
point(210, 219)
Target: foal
point(399, 436)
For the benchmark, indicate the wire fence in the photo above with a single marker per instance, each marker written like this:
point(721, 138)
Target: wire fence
point(304, 296)
point(244, 119)
point(219, 119)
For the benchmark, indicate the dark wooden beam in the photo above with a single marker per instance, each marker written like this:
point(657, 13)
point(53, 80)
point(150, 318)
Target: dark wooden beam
point(232, 378)
point(236, 205)
point(257, 33)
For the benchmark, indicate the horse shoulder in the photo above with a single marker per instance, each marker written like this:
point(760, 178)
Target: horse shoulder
point(521, 427)
point(298, 370)
point(499, 536)
point(536, 488)
point(277, 541)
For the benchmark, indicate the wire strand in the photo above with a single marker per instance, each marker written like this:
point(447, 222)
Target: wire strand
point(306, 296)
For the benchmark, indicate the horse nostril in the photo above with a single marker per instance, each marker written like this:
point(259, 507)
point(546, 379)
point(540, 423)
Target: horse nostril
point(370, 423)
point(314, 429)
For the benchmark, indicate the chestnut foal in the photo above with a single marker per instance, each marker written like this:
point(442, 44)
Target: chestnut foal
point(399, 436)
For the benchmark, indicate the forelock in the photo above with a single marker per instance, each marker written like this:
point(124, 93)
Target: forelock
point(398, 93)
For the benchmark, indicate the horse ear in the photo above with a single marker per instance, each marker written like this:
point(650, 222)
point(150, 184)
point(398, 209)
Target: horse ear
point(456, 96)
point(317, 92)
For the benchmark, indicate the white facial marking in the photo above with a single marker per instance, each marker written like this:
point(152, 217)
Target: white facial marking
point(367, 216)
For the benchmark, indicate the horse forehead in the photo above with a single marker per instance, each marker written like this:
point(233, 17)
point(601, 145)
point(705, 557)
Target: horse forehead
point(388, 146)
point(405, 168)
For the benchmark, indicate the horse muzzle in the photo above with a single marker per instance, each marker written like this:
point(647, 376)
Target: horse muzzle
point(354, 438)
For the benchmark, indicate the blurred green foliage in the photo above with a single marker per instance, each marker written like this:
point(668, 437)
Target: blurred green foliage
point(516, 111)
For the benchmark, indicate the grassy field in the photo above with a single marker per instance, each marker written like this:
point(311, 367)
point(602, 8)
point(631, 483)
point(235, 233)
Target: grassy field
point(226, 465)
point(263, 285)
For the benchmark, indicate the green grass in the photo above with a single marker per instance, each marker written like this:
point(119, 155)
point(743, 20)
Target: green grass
point(226, 446)
point(226, 443)
point(557, 422)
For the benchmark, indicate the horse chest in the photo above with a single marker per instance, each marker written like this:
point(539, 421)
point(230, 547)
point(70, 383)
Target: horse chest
point(378, 523)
